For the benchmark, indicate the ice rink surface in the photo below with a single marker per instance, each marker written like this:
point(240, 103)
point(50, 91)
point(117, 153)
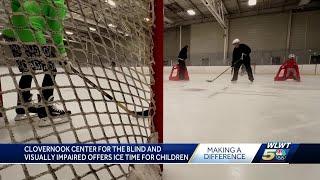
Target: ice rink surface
point(223, 112)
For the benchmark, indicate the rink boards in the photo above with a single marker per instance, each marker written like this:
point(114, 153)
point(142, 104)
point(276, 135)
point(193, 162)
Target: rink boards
point(305, 69)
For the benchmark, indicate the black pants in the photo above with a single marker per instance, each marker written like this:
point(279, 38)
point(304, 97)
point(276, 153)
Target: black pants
point(33, 62)
point(182, 69)
point(237, 66)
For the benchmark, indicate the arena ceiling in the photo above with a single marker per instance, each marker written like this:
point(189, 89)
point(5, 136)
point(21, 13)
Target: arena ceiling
point(176, 10)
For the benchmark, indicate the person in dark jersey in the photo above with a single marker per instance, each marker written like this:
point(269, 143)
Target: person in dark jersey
point(183, 55)
point(241, 56)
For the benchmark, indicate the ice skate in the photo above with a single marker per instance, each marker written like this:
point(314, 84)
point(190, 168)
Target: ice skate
point(24, 117)
point(21, 113)
point(46, 121)
point(57, 115)
point(234, 79)
point(251, 79)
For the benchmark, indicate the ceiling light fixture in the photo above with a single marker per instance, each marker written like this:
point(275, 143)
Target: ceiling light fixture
point(252, 2)
point(92, 29)
point(111, 3)
point(69, 32)
point(147, 19)
point(191, 12)
point(112, 25)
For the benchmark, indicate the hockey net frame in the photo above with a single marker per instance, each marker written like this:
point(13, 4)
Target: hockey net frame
point(150, 72)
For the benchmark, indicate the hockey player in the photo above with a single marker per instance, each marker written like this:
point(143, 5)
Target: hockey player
point(183, 55)
point(288, 70)
point(30, 21)
point(241, 55)
point(292, 67)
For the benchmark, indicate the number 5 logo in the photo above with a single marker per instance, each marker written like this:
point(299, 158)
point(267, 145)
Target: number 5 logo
point(269, 154)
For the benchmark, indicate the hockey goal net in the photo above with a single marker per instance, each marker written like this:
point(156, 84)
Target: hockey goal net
point(112, 46)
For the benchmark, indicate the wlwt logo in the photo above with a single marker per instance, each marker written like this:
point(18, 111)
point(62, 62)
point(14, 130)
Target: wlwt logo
point(276, 152)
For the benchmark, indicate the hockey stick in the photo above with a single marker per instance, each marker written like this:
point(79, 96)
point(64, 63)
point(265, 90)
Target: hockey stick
point(211, 80)
point(119, 104)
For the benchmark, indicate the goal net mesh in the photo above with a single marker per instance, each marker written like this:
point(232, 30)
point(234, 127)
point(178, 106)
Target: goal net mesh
point(109, 43)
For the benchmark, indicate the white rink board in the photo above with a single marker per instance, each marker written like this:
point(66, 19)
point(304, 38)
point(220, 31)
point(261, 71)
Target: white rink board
point(305, 69)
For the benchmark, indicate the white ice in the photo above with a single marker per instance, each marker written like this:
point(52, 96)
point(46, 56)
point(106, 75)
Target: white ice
point(223, 112)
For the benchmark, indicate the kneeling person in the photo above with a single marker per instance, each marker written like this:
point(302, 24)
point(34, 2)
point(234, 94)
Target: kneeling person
point(291, 68)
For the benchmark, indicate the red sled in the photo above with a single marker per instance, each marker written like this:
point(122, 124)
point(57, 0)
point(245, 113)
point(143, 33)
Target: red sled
point(174, 75)
point(288, 70)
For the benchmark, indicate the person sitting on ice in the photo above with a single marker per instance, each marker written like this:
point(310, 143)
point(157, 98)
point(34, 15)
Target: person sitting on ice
point(288, 70)
point(292, 66)
point(30, 21)
point(291, 63)
point(183, 55)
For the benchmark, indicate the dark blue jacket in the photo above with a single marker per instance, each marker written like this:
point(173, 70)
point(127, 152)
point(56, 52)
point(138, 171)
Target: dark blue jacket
point(237, 53)
point(183, 53)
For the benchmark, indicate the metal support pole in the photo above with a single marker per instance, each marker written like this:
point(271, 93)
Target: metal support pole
point(225, 45)
point(180, 38)
point(306, 33)
point(289, 32)
point(226, 40)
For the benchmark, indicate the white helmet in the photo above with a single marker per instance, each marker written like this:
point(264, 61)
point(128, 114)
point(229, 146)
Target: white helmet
point(235, 41)
point(292, 56)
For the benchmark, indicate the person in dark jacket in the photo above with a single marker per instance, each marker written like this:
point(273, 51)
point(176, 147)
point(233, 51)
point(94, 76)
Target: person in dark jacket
point(183, 55)
point(241, 55)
